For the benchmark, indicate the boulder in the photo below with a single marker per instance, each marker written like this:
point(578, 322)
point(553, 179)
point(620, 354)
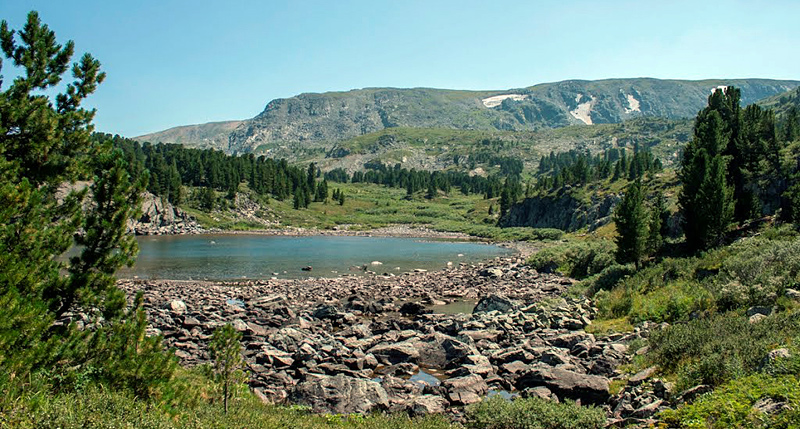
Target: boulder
point(465, 390)
point(341, 395)
point(177, 306)
point(326, 312)
point(438, 350)
point(394, 353)
point(591, 389)
point(412, 308)
point(427, 404)
point(494, 303)
point(493, 272)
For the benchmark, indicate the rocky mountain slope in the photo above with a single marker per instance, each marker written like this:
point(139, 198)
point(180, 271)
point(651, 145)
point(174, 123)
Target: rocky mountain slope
point(320, 120)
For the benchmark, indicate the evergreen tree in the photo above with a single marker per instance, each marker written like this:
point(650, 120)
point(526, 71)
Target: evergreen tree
point(298, 200)
point(431, 193)
point(311, 176)
point(206, 199)
point(45, 143)
point(631, 219)
point(226, 353)
point(341, 198)
point(705, 199)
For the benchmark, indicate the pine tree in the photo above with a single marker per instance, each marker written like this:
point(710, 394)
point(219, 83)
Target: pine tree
point(705, 200)
point(431, 193)
point(226, 353)
point(631, 219)
point(341, 198)
point(46, 143)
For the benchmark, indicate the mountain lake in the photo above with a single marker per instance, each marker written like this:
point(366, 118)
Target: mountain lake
point(254, 256)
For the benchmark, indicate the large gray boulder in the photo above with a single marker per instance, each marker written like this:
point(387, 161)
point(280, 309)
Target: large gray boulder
point(590, 389)
point(341, 394)
point(494, 303)
point(438, 350)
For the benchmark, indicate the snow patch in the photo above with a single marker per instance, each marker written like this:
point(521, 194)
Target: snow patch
point(633, 104)
point(496, 100)
point(582, 112)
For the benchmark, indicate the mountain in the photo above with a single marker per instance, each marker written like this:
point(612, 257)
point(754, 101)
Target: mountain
point(315, 121)
point(213, 135)
point(782, 102)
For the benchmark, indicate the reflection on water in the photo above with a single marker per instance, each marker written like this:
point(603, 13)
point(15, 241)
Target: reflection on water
point(455, 307)
point(428, 376)
point(228, 257)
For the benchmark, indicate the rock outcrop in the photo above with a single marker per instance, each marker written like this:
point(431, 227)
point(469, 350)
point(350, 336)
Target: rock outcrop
point(159, 217)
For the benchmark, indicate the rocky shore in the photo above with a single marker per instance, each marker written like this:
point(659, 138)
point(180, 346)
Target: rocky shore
point(366, 343)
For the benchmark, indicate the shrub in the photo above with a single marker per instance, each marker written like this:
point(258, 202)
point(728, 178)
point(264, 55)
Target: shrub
point(731, 405)
point(608, 278)
point(532, 413)
point(575, 259)
point(716, 349)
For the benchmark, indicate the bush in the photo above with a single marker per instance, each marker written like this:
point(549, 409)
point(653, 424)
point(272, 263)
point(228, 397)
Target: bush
point(731, 405)
point(608, 278)
point(577, 259)
point(532, 413)
point(719, 348)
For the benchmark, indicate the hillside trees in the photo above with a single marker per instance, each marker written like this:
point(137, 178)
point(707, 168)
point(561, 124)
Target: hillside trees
point(733, 169)
point(45, 143)
point(705, 200)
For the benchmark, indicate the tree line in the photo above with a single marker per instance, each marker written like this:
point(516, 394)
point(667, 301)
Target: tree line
point(173, 167)
point(429, 181)
point(577, 168)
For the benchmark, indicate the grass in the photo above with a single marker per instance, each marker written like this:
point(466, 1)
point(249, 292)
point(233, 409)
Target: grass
point(101, 408)
point(368, 206)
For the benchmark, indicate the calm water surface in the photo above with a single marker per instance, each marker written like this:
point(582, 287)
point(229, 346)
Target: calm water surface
point(227, 257)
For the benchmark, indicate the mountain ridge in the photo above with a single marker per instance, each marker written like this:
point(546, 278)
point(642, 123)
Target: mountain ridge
point(316, 120)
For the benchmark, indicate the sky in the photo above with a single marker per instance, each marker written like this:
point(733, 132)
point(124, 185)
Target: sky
point(181, 62)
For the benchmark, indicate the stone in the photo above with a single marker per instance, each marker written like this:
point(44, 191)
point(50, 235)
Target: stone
point(641, 376)
point(590, 389)
point(494, 303)
point(689, 395)
point(793, 294)
point(494, 273)
point(647, 410)
point(341, 395)
point(539, 392)
point(438, 350)
point(394, 353)
point(177, 306)
point(428, 404)
point(465, 390)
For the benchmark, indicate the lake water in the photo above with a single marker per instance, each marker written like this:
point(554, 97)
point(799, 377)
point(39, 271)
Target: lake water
point(229, 257)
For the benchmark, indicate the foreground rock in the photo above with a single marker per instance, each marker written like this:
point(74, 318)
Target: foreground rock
point(343, 345)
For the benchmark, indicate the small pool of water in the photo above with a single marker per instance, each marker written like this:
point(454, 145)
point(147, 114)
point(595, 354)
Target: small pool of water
point(455, 307)
point(428, 376)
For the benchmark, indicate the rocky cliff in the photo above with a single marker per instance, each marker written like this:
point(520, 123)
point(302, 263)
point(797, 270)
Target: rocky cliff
point(564, 212)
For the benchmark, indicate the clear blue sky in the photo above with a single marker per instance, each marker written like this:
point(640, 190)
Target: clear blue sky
point(175, 63)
